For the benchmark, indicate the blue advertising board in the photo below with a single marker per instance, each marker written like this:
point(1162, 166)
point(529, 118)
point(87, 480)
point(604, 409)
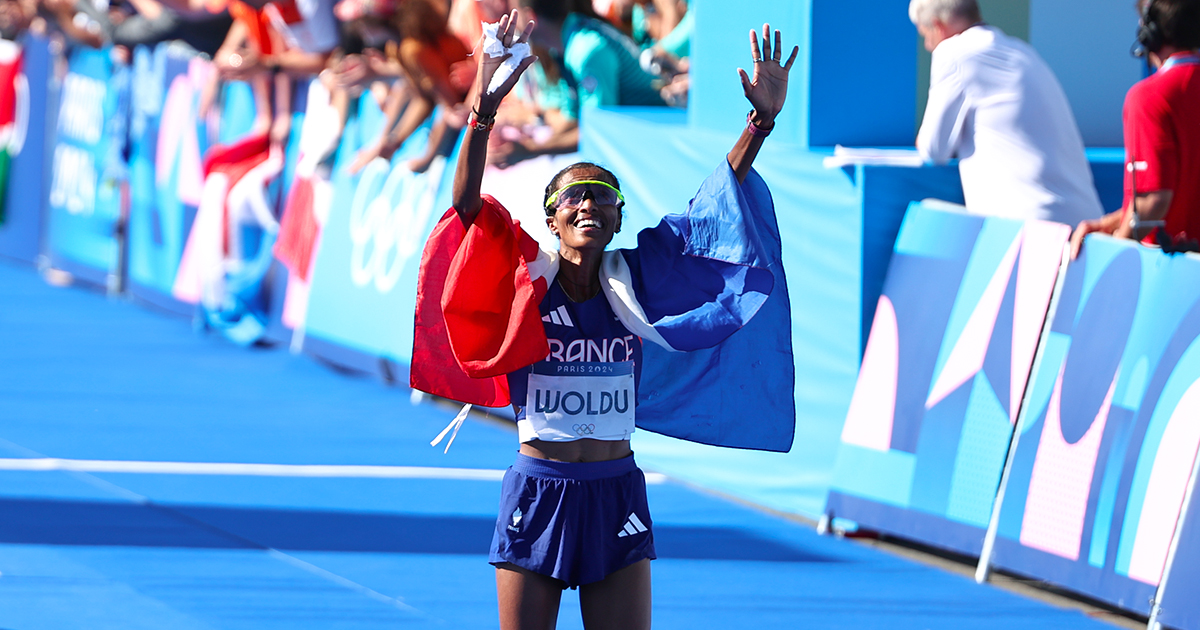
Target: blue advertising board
point(166, 143)
point(942, 379)
point(363, 293)
point(21, 229)
point(1106, 452)
point(85, 201)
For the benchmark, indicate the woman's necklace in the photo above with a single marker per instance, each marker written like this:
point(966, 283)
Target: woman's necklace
point(574, 291)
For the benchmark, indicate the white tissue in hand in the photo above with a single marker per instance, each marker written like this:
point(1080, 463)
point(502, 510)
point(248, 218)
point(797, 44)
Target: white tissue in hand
point(495, 48)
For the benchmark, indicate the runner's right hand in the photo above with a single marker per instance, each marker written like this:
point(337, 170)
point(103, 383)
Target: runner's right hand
point(486, 104)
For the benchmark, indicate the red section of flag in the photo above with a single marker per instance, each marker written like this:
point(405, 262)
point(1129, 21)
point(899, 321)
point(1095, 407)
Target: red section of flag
point(477, 308)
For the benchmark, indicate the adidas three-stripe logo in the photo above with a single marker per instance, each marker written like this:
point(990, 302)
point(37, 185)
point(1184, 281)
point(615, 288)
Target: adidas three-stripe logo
point(633, 526)
point(559, 316)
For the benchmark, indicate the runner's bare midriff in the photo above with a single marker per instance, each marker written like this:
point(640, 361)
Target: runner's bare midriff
point(578, 451)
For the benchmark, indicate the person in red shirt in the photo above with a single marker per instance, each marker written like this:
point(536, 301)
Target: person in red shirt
point(1162, 134)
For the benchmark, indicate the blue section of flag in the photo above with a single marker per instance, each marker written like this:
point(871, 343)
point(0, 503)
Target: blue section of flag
point(712, 282)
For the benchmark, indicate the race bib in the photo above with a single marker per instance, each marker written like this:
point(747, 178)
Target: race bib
point(569, 401)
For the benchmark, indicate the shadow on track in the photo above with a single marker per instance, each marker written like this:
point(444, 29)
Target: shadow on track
point(48, 522)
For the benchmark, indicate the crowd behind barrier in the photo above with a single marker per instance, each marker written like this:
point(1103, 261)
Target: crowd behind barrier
point(331, 269)
point(1062, 450)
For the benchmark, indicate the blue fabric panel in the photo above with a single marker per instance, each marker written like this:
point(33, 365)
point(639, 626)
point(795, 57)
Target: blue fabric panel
point(737, 394)
point(701, 276)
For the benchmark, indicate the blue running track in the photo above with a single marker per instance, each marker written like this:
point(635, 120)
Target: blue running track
point(133, 494)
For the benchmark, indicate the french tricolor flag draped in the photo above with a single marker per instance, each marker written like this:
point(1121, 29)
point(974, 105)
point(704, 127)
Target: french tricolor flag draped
point(705, 289)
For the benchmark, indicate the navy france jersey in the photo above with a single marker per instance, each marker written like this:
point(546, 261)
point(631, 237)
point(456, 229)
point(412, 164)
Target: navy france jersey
point(585, 333)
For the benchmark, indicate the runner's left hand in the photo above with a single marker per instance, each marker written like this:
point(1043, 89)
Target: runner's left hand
point(767, 89)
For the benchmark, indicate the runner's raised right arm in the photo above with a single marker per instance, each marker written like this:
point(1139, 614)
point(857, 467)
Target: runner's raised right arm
point(473, 158)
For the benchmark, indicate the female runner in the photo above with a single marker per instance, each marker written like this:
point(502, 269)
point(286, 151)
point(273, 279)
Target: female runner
point(559, 335)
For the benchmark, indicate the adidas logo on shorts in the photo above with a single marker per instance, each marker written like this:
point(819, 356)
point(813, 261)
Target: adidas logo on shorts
point(633, 526)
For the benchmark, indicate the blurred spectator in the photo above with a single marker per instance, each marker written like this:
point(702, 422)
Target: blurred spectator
point(269, 44)
point(467, 18)
point(997, 107)
point(596, 63)
point(438, 70)
point(148, 22)
point(285, 36)
point(1162, 133)
point(81, 21)
point(16, 16)
point(367, 34)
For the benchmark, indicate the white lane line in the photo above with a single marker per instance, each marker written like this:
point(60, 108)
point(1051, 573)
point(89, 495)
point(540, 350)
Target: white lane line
point(259, 470)
point(38, 464)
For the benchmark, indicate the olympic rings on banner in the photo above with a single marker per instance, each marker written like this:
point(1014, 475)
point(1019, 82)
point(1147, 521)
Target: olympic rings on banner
point(388, 221)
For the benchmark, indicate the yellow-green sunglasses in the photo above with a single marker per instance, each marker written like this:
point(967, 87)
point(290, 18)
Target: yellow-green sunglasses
point(572, 195)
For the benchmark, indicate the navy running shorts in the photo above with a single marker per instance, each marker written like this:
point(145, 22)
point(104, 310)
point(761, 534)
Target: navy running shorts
point(574, 522)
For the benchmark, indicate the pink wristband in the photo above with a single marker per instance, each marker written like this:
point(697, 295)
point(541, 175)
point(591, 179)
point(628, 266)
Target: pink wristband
point(755, 130)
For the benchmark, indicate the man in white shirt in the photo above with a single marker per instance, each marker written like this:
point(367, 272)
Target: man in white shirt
point(995, 105)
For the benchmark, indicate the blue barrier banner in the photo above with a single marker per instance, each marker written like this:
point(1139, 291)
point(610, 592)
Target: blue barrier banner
point(955, 332)
point(165, 138)
point(1106, 451)
point(21, 226)
point(364, 277)
point(84, 194)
